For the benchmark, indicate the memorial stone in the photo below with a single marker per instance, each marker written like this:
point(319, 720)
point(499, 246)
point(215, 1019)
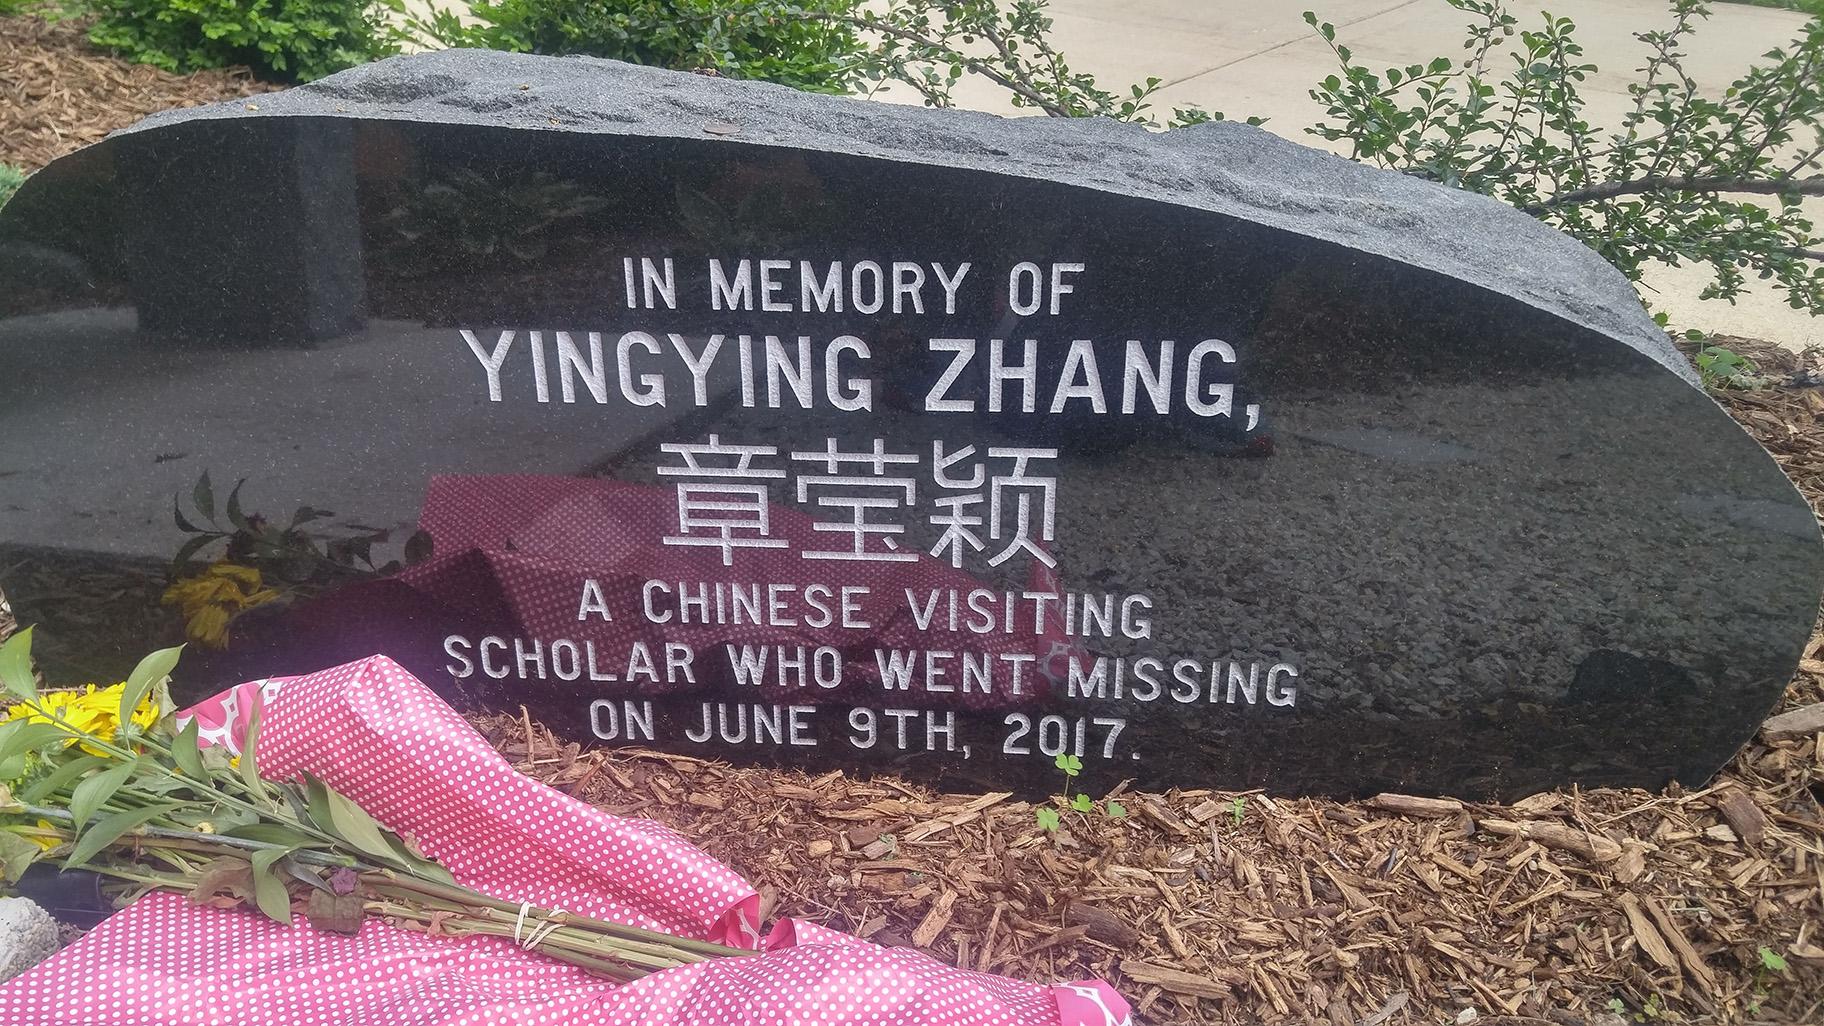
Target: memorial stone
point(729, 420)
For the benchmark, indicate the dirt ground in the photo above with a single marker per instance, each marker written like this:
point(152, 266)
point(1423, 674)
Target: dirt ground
point(1599, 907)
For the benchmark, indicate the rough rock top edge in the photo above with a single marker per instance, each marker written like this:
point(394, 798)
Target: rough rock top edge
point(1225, 167)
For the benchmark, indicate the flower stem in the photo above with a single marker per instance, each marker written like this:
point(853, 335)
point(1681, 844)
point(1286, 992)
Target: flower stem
point(193, 840)
point(462, 895)
point(586, 955)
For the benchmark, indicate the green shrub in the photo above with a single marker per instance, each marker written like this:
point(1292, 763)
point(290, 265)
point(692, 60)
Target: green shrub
point(11, 178)
point(1685, 175)
point(803, 44)
point(286, 40)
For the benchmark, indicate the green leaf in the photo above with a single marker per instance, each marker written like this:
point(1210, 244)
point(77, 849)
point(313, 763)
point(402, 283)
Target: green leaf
point(1772, 960)
point(152, 671)
point(203, 495)
point(250, 770)
point(235, 514)
point(217, 759)
point(1081, 803)
point(187, 751)
point(305, 875)
point(183, 522)
point(16, 856)
point(1115, 809)
point(109, 828)
point(1048, 819)
point(190, 548)
point(1070, 764)
point(16, 666)
point(18, 737)
point(52, 782)
point(348, 821)
point(273, 833)
point(419, 864)
point(94, 791)
point(268, 890)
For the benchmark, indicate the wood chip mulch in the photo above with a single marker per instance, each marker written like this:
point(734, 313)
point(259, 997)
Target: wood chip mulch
point(58, 93)
point(1602, 907)
point(1575, 907)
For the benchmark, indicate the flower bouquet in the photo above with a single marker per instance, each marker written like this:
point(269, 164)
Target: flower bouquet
point(108, 780)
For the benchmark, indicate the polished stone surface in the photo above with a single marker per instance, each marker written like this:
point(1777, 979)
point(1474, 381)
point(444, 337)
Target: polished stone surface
point(1420, 502)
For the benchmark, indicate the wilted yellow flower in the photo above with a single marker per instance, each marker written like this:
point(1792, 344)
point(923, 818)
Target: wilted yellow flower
point(212, 598)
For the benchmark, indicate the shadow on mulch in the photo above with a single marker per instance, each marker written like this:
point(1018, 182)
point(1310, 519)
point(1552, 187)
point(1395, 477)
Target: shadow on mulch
point(58, 93)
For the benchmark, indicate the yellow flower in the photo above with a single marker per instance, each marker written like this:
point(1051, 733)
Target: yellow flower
point(47, 843)
point(75, 707)
point(212, 598)
point(88, 709)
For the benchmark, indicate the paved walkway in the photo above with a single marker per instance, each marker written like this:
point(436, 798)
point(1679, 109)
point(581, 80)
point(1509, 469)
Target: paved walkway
point(1258, 57)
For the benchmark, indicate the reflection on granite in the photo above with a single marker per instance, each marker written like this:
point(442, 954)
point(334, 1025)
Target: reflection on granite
point(1502, 551)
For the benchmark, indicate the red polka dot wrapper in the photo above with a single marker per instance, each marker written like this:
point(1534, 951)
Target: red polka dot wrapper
point(379, 736)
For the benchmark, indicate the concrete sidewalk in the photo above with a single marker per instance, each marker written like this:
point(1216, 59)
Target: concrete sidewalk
point(1261, 59)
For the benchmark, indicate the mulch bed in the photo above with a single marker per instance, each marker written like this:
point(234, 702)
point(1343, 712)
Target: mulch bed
point(1564, 908)
point(58, 93)
point(1600, 907)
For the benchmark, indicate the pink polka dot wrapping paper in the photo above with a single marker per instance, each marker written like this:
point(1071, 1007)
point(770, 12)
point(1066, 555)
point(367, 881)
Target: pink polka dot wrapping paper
point(380, 736)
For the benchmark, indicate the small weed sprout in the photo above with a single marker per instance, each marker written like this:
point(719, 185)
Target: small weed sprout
point(1771, 962)
point(1070, 766)
point(1077, 801)
point(1718, 367)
